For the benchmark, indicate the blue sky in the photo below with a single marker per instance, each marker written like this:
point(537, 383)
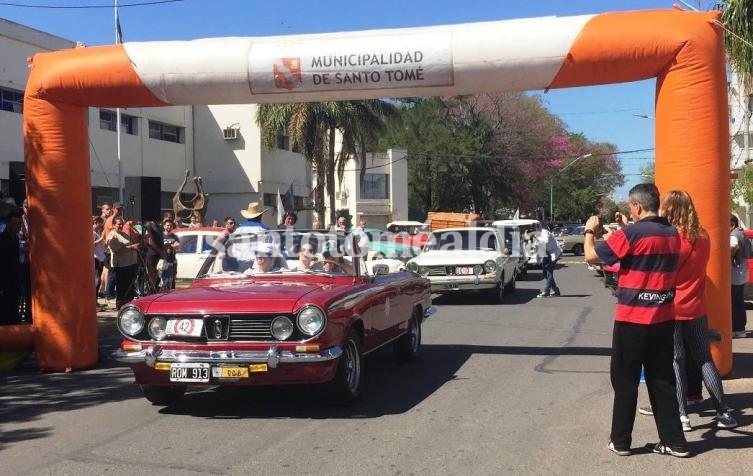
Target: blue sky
point(602, 113)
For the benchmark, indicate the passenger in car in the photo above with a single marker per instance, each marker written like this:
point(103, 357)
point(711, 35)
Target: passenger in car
point(307, 260)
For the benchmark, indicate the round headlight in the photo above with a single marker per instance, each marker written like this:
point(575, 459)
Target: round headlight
point(311, 320)
point(282, 328)
point(130, 321)
point(490, 266)
point(423, 270)
point(478, 269)
point(412, 266)
point(157, 328)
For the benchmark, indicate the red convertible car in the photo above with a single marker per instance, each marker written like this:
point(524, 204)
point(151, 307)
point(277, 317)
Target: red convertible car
point(287, 322)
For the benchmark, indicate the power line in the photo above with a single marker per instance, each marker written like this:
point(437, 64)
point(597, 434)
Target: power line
point(583, 113)
point(80, 7)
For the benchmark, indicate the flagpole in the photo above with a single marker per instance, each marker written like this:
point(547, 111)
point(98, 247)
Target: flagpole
point(118, 40)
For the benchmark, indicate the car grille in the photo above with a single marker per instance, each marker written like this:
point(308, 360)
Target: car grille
point(250, 329)
point(436, 271)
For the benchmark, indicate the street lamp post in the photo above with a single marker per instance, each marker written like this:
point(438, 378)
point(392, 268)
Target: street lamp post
point(551, 183)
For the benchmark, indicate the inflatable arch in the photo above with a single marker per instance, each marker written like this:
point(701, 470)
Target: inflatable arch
point(683, 50)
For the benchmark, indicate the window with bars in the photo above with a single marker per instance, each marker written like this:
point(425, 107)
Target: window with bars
point(11, 101)
point(166, 132)
point(128, 124)
point(375, 186)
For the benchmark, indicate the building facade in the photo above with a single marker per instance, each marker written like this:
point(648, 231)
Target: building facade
point(740, 100)
point(382, 196)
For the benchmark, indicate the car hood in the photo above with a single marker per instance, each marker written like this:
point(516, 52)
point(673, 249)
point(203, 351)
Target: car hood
point(233, 297)
point(445, 257)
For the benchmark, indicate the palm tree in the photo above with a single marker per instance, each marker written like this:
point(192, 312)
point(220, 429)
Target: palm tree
point(313, 129)
point(307, 125)
point(737, 17)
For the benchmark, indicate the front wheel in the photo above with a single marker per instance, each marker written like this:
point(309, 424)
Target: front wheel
point(578, 250)
point(164, 395)
point(408, 346)
point(348, 382)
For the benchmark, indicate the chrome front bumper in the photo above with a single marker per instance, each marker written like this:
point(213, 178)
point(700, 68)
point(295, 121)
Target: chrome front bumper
point(271, 357)
point(463, 283)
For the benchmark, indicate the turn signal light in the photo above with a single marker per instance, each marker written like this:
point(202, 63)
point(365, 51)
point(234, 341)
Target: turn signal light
point(130, 346)
point(257, 368)
point(162, 366)
point(307, 348)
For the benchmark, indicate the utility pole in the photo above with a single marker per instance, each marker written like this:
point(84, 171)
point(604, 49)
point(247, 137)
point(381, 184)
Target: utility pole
point(118, 40)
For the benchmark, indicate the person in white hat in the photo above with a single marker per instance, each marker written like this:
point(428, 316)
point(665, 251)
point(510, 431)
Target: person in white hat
point(240, 255)
point(266, 259)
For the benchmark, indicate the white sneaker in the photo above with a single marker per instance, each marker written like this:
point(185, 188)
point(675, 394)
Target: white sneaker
point(685, 423)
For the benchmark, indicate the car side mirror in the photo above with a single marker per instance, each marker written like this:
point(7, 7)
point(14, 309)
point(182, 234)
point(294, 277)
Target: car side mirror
point(380, 269)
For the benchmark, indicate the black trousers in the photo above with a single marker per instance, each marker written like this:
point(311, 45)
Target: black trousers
point(739, 317)
point(650, 346)
point(125, 290)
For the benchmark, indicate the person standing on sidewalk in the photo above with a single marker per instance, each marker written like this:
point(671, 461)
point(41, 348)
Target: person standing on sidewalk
point(741, 251)
point(691, 322)
point(124, 261)
point(643, 334)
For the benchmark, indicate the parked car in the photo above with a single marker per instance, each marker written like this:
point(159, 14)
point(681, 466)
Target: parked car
point(414, 233)
point(382, 244)
point(275, 328)
point(571, 239)
point(195, 246)
point(529, 229)
point(467, 259)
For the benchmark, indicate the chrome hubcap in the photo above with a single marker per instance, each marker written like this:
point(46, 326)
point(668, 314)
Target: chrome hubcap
point(352, 366)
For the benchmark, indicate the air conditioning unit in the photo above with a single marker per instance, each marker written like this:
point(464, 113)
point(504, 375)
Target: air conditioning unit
point(230, 133)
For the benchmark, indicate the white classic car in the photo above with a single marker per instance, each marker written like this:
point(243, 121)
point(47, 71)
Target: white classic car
point(467, 259)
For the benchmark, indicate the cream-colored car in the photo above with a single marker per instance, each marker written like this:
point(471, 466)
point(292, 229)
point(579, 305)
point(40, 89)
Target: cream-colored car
point(571, 239)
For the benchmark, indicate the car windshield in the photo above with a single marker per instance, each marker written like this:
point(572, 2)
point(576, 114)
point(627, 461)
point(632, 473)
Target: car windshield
point(237, 252)
point(468, 240)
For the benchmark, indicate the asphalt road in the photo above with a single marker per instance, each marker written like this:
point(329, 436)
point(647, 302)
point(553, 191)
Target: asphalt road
point(514, 388)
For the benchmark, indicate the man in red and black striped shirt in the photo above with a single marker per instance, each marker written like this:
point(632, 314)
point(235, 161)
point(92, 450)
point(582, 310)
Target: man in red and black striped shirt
point(648, 252)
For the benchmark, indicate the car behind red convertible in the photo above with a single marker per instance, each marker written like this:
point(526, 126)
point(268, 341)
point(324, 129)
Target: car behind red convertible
point(274, 327)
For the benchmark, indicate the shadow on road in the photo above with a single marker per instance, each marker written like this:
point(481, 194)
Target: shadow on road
point(390, 388)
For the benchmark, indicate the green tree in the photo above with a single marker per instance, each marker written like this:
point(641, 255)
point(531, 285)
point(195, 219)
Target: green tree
point(737, 17)
point(648, 172)
point(308, 126)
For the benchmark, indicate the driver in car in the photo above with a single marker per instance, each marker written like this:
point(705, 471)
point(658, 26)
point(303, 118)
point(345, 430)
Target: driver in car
point(266, 260)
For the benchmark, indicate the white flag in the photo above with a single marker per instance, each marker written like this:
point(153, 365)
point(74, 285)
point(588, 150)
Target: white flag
point(280, 208)
point(517, 214)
